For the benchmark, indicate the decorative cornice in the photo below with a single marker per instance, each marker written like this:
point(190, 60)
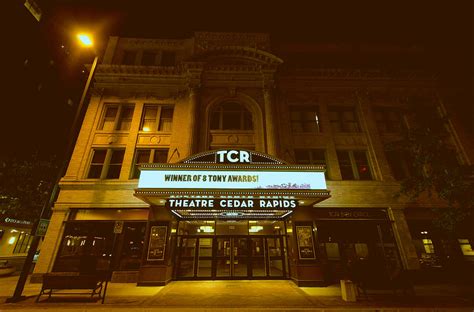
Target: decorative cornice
point(138, 70)
point(356, 74)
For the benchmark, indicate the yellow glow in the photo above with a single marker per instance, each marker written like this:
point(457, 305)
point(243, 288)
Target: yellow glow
point(85, 39)
point(147, 129)
point(11, 240)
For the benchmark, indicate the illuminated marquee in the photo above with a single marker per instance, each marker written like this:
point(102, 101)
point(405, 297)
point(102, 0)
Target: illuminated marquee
point(231, 183)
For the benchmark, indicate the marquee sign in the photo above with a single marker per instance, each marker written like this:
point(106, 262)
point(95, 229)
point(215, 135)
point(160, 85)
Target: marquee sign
point(226, 203)
point(209, 179)
point(231, 179)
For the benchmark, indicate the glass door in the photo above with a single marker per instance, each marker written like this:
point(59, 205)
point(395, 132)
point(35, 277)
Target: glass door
point(186, 255)
point(223, 256)
point(258, 251)
point(276, 264)
point(204, 257)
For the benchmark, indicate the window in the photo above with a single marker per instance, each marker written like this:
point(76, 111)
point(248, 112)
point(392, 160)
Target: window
point(129, 57)
point(125, 119)
point(106, 164)
point(148, 58)
point(466, 247)
point(168, 58)
point(343, 119)
point(305, 119)
point(231, 116)
point(311, 157)
point(428, 246)
point(157, 118)
point(399, 165)
point(388, 119)
point(145, 156)
point(354, 165)
point(111, 122)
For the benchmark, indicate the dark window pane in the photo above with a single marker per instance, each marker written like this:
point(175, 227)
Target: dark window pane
point(231, 120)
point(108, 120)
point(161, 156)
point(168, 58)
point(125, 120)
point(132, 246)
point(166, 119)
point(141, 157)
point(345, 165)
point(215, 120)
point(302, 156)
point(148, 58)
point(362, 164)
point(129, 57)
point(99, 156)
point(115, 164)
point(396, 163)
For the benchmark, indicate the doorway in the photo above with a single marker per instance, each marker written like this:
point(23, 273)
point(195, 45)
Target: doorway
point(231, 257)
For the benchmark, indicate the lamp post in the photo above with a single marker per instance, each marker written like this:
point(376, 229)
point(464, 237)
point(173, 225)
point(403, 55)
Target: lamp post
point(86, 41)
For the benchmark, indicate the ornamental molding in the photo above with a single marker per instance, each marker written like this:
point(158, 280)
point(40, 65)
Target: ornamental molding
point(356, 74)
point(153, 43)
point(104, 69)
point(208, 40)
point(239, 52)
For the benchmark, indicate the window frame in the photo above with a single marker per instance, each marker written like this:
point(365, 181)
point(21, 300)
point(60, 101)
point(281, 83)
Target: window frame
point(158, 120)
point(343, 124)
point(301, 121)
point(106, 164)
point(390, 126)
point(354, 166)
point(151, 158)
point(311, 158)
point(118, 118)
point(219, 110)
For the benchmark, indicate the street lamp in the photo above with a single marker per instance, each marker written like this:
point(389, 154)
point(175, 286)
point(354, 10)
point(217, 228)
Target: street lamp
point(86, 41)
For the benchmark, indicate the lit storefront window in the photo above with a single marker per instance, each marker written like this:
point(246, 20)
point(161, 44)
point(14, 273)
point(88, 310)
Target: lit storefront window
point(466, 247)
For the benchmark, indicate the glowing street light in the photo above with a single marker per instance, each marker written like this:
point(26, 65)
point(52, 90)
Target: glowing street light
point(85, 40)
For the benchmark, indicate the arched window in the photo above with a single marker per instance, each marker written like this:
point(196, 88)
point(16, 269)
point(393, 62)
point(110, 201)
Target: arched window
point(231, 116)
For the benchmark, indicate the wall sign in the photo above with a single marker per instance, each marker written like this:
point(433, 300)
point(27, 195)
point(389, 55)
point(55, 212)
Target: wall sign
point(157, 243)
point(304, 238)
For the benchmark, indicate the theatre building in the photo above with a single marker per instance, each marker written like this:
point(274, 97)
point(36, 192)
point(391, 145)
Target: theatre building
point(218, 157)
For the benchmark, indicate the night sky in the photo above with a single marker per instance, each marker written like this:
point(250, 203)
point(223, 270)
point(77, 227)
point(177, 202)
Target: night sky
point(44, 65)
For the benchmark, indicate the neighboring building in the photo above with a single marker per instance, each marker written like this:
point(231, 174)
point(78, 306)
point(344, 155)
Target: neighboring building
point(180, 101)
point(15, 238)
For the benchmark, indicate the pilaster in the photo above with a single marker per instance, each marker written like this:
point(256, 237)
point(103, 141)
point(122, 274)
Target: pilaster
point(404, 240)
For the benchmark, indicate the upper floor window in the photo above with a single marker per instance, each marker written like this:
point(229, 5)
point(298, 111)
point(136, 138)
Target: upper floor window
point(388, 119)
point(354, 165)
point(106, 163)
point(145, 156)
point(343, 119)
point(310, 157)
point(168, 58)
point(231, 116)
point(149, 58)
point(399, 164)
point(129, 57)
point(305, 118)
point(157, 118)
point(116, 117)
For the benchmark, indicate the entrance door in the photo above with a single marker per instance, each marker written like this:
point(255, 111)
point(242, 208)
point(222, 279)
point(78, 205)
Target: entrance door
point(267, 256)
point(231, 257)
point(195, 257)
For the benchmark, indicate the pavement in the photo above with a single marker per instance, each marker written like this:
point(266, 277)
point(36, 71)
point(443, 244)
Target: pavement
point(248, 295)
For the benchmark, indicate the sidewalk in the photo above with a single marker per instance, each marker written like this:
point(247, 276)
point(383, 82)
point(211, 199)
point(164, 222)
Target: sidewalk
point(239, 295)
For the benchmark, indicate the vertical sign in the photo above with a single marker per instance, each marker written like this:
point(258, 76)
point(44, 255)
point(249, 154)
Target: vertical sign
point(304, 237)
point(157, 244)
point(42, 227)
